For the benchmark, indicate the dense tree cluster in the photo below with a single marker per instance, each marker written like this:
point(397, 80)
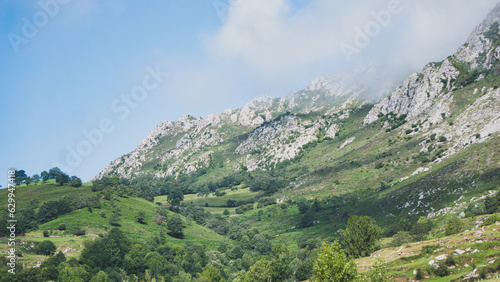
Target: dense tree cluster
point(61, 178)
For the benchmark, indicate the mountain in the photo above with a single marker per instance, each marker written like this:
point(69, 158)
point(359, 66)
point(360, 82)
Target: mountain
point(279, 126)
point(332, 139)
point(249, 194)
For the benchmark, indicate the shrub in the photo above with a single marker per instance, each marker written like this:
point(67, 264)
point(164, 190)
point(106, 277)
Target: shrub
point(442, 270)
point(429, 249)
point(46, 248)
point(492, 219)
point(140, 217)
point(442, 139)
point(78, 231)
point(449, 261)
point(402, 237)
point(45, 233)
point(62, 226)
point(226, 212)
point(454, 226)
point(419, 275)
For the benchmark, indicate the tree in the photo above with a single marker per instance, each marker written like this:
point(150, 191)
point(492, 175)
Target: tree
point(54, 172)
point(226, 212)
point(46, 248)
point(134, 260)
point(421, 228)
point(156, 264)
point(454, 226)
point(361, 236)
point(261, 244)
point(259, 272)
point(175, 225)
point(175, 196)
point(75, 181)
point(303, 206)
point(212, 274)
point(62, 178)
point(44, 176)
point(332, 264)
point(19, 176)
point(280, 266)
point(35, 178)
point(76, 274)
point(307, 219)
point(106, 252)
point(101, 276)
point(54, 261)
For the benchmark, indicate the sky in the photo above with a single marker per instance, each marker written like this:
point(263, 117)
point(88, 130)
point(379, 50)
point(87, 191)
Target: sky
point(83, 82)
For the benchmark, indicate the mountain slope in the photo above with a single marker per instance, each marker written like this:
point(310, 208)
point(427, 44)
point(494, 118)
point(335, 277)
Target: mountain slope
point(330, 142)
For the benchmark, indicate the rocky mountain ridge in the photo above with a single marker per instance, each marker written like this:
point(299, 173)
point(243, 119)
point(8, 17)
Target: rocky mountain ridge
point(457, 98)
point(277, 126)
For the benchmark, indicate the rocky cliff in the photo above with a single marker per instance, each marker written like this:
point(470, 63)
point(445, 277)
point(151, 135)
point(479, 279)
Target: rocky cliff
point(456, 99)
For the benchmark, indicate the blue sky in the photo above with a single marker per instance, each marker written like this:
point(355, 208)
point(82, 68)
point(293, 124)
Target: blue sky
point(65, 64)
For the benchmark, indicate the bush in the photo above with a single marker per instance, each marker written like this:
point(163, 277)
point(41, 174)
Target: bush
point(114, 219)
point(454, 226)
point(442, 139)
point(46, 248)
point(442, 270)
point(45, 233)
point(492, 219)
point(75, 182)
point(429, 249)
point(226, 212)
point(140, 217)
point(402, 237)
point(78, 231)
point(62, 226)
point(419, 275)
point(450, 261)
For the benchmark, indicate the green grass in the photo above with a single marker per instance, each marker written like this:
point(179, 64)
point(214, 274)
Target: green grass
point(42, 192)
point(95, 223)
point(404, 259)
point(242, 194)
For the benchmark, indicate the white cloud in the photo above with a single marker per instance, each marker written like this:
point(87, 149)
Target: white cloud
point(275, 40)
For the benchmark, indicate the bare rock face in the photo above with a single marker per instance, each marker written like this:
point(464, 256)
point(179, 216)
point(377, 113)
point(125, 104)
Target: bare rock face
point(267, 130)
point(427, 98)
point(428, 91)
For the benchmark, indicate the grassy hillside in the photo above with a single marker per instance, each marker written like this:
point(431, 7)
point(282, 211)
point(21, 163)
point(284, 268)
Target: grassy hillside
point(462, 253)
point(43, 192)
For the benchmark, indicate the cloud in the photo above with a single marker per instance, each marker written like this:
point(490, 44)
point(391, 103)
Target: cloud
point(275, 39)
